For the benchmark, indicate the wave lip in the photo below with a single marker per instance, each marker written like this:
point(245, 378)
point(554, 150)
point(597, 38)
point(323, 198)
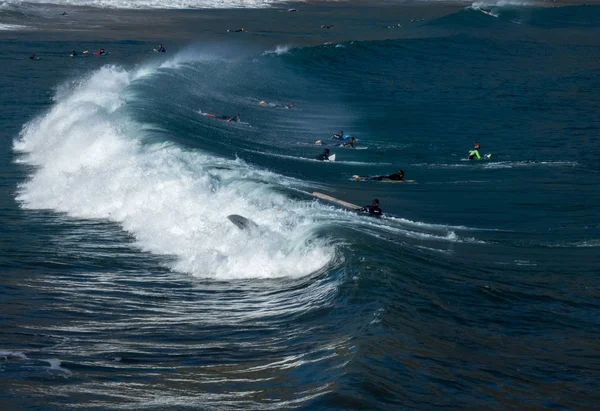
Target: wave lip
point(91, 162)
point(159, 4)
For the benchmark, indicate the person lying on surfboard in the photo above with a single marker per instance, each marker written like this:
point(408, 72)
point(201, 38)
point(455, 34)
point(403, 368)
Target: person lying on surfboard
point(397, 176)
point(324, 156)
point(234, 119)
point(349, 142)
point(372, 209)
point(342, 136)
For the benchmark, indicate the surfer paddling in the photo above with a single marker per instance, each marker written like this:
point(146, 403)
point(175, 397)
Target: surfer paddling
point(372, 209)
point(397, 176)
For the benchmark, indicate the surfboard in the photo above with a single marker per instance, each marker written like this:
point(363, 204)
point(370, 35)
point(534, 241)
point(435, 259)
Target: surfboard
point(335, 200)
point(242, 223)
point(332, 157)
point(396, 181)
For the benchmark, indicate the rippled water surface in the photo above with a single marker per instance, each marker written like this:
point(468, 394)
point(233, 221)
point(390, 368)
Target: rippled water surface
point(124, 285)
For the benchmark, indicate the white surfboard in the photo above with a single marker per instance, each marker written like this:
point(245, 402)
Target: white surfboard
point(335, 200)
point(332, 157)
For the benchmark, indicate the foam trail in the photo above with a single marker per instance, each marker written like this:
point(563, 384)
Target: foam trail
point(91, 162)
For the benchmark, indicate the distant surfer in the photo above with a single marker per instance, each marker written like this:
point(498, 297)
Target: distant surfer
point(236, 31)
point(264, 103)
point(64, 13)
point(474, 154)
point(73, 53)
point(234, 119)
point(33, 57)
point(160, 49)
point(326, 26)
point(101, 52)
point(349, 142)
point(342, 136)
point(324, 156)
point(372, 209)
point(397, 176)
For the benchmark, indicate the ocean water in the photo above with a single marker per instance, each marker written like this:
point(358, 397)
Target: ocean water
point(124, 285)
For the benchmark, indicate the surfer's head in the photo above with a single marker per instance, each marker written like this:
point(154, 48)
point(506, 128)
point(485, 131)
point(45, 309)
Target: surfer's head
point(476, 145)
point(326, 151)
point(375, 202)
point(401, 172)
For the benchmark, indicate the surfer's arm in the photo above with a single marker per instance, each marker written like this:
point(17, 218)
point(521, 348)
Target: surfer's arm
point(474, 153)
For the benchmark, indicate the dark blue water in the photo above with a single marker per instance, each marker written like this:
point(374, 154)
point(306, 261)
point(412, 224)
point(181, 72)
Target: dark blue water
point(125, 286)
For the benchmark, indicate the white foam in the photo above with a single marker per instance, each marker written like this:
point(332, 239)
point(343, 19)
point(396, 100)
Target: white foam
point(6, 354)
point(91, 163)
point(162, 4)
point(55, 365)
point(14, 27)
point(279, 50)
point(478, 5)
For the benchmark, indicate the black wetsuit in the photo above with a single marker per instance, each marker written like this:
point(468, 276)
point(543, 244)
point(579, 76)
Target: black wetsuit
point(394, 177)
point(233, 119)
point(371, 210)
point(323, 157)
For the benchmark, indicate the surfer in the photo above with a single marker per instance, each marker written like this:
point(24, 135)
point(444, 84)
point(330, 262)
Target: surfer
point(342, 136)
point(101, 52)
point(33, 57)
point(397, 176)
point(234, 119)
point(324, 156)
point(372, 209)
point(236, 31)
point(73, 53)
point(475, 152)
point(160, 49)
point(349, 142)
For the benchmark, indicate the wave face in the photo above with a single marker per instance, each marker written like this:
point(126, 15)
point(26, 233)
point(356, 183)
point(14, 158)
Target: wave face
point(128, 287)
point(504, 14)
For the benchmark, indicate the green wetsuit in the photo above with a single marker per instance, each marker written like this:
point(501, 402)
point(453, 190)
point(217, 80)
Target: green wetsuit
point(474, 154)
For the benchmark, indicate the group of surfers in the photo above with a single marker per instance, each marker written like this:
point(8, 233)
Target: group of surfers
point(374, 209)
point(101, 52)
